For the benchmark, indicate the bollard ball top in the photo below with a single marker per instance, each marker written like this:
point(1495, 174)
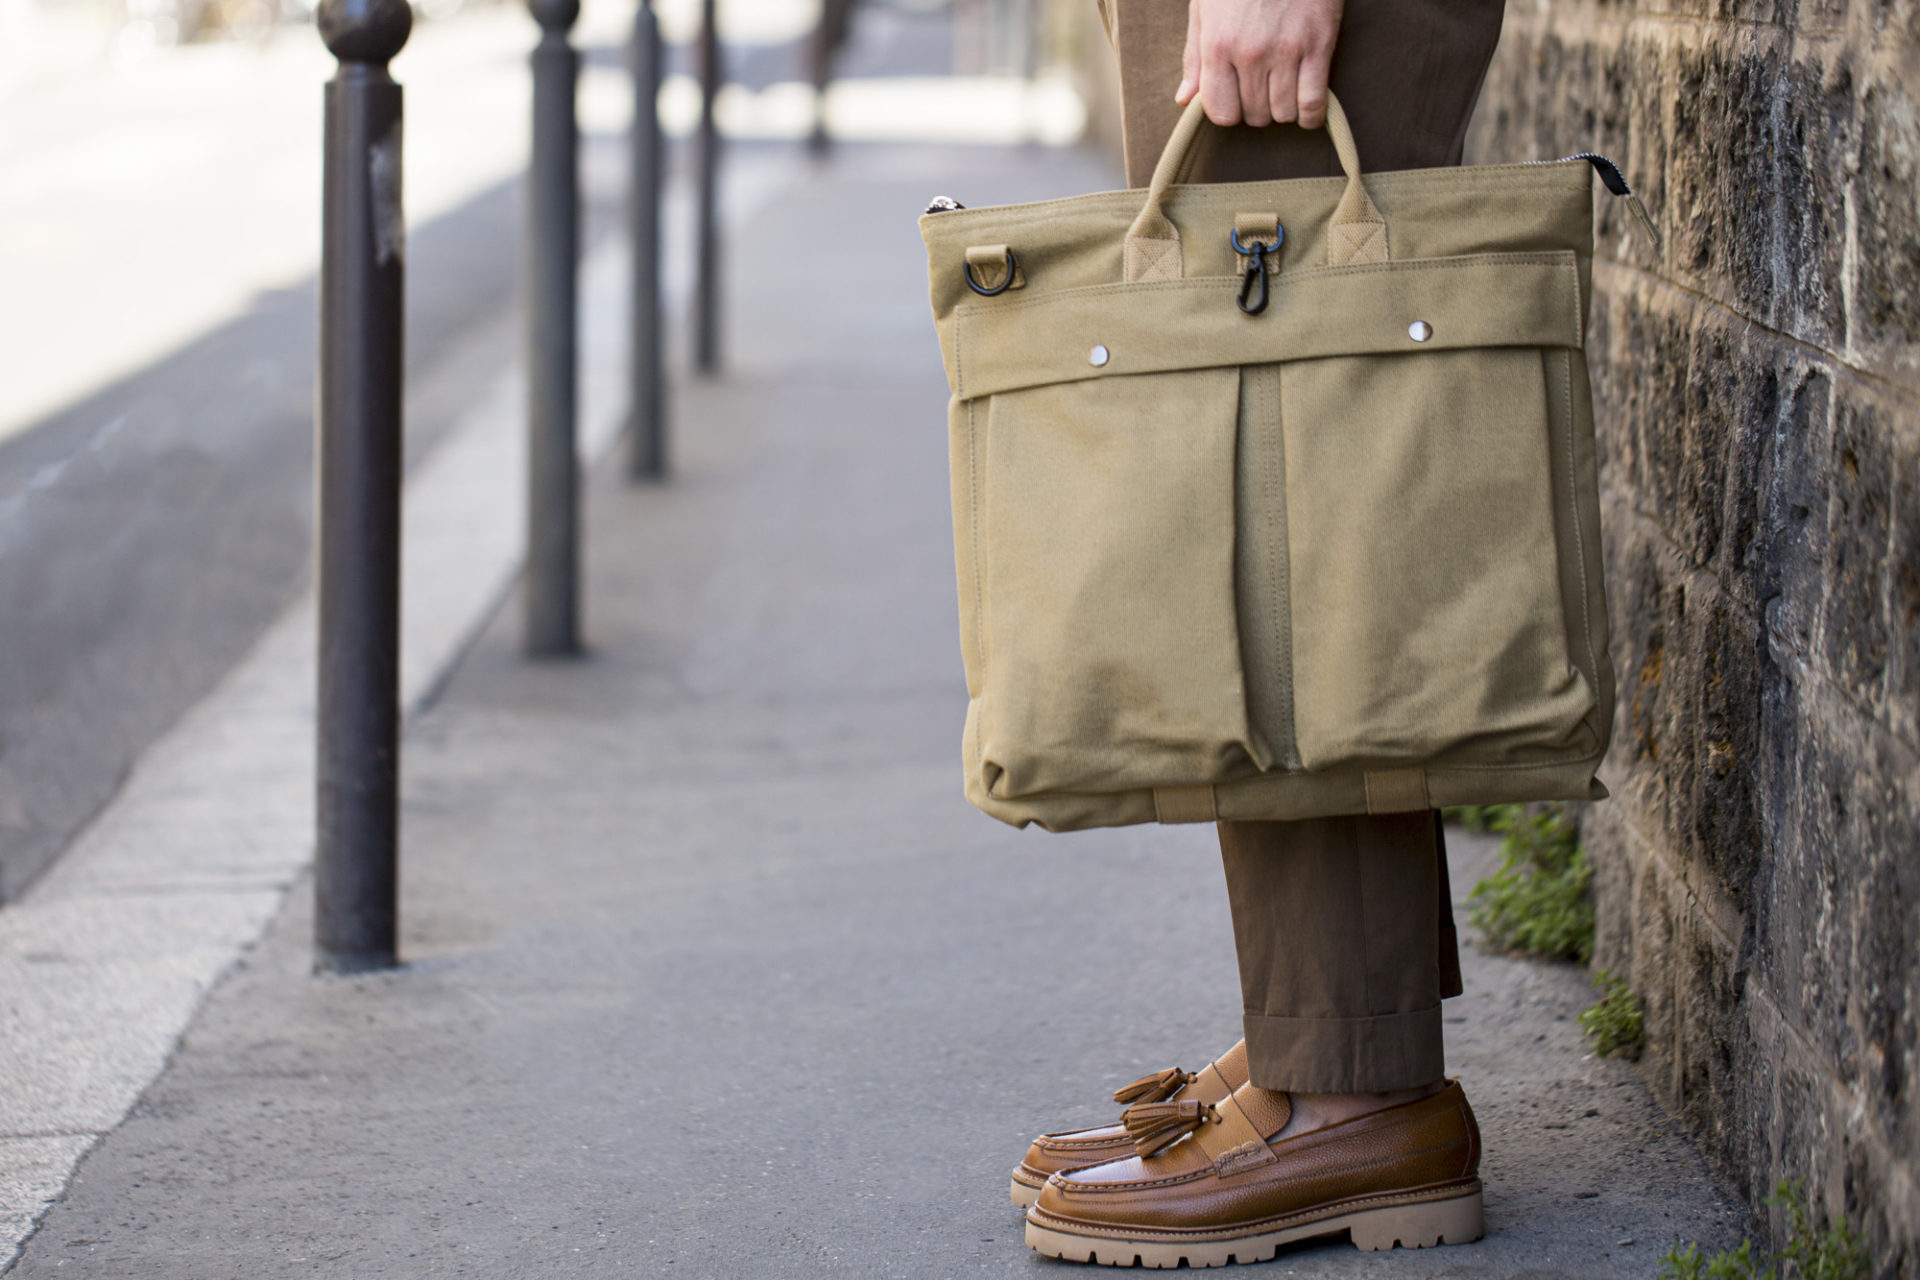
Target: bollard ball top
point(364, 30)
point(554, 15)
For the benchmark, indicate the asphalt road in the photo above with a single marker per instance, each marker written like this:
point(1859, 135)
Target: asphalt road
point(711, 971)
point(149, 533)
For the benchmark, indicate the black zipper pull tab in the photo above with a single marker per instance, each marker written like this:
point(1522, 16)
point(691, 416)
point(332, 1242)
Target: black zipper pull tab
point(1640, 214)
point(1614, 181)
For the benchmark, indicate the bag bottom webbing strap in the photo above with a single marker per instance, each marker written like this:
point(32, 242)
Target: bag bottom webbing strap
point(1387, 791)
point(1397, 791)
point(1184, 804)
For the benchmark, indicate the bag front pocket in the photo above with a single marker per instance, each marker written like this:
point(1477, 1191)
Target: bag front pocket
point(1106, 525)
point(1427, 617)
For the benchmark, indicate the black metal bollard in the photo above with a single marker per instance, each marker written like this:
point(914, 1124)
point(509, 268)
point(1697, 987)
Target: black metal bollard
point(835, 18)
point(552, 257)
point(362, 289)
point(706, 294)
point(647, 456)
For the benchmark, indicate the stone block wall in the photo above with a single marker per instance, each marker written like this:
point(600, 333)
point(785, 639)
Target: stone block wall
point(1757, 384)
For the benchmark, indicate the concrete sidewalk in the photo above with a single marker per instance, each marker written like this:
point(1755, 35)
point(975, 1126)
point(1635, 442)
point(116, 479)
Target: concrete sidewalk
point(711, 971)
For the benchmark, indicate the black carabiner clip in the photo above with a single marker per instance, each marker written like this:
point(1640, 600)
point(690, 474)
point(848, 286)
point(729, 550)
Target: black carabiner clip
point(998, 289)
point(1253, 284)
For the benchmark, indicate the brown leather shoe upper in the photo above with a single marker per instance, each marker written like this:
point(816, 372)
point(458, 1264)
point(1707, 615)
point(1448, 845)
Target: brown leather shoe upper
point(1054, 1152)
point(1230, 1171)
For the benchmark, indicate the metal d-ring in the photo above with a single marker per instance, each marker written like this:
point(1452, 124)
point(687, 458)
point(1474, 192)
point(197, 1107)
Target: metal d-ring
point(998, 289)
point(1259, 246)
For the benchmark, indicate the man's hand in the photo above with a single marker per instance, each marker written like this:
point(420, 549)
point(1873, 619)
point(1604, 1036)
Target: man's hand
point(1260, 61)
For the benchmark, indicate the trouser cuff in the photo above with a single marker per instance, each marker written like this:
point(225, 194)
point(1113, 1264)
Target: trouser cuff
point(1345, 1055)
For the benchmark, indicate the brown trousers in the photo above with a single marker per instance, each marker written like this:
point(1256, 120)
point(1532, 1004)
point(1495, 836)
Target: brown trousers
point(1344, 926)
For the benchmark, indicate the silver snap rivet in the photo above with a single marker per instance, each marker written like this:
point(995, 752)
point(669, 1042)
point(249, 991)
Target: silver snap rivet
point(1097, 356)
point(1419, 331)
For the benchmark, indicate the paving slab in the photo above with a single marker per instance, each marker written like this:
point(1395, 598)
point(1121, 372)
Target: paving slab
point(710, 969)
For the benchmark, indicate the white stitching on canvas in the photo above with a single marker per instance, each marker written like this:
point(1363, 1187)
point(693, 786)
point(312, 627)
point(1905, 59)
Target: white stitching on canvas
point(1579, 309)
point(979, 603)
point(1275, 480)
point(1543, 258)
point(1579, 539)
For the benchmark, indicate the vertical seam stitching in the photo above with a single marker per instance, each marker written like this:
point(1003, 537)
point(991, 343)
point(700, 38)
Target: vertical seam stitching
point(1579, 538)
point(1263, 460)
point(1579, 308)
point(1281, 569)
point(979, 603)
point(959, 365)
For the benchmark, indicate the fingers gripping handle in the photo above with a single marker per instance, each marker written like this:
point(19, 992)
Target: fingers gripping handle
point(1357, 233)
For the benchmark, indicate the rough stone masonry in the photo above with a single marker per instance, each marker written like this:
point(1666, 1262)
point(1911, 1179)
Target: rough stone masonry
point(1758, 392)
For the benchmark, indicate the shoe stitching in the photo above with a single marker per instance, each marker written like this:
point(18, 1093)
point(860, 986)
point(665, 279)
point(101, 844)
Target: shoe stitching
point(1089, 1188)
point(1073, 1148)
point(1071, 1137)
point(1173, 1180)
point(1243, 1157)
point(1467, 1166)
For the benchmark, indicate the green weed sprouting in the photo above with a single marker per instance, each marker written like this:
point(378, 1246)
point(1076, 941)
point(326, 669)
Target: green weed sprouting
point(1537, 903)
point(1683, 1262)
point(1834, 1254)
point(1482, 818)
point(1615, 1023)
point(1811, 1254)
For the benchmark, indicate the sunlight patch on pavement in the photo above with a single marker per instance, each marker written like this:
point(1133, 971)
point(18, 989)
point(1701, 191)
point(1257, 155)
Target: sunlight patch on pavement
point(984, 110)
point(741, 21)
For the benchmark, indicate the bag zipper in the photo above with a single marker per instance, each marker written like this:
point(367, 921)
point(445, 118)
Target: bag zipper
point(1615, 182)
point(1610, 177)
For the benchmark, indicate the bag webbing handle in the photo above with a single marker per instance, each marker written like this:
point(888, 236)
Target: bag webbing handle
point(1357, 233)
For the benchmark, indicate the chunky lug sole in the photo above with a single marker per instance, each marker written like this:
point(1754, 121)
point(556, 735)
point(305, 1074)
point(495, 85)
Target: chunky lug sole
point(1024, 1195)
point(1412, 1221)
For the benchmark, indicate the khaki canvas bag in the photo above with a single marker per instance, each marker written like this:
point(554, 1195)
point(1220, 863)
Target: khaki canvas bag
point(1277, 499)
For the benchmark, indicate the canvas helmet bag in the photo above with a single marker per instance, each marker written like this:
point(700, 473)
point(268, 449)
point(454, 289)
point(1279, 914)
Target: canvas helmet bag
point(1277, 499)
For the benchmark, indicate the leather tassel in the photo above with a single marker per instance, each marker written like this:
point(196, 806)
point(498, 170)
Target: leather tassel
point(1155, 1126)
point(1157, 1087)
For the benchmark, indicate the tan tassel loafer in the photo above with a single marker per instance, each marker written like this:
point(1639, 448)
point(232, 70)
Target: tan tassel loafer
point(1058, 1152)
point(1213, 1186)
